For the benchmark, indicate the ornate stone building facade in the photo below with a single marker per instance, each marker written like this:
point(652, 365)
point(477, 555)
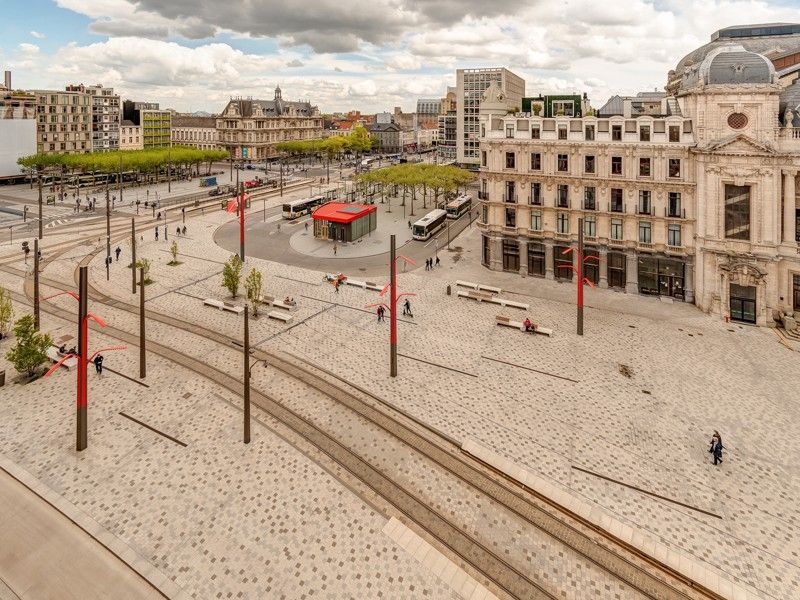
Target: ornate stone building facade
point(698, 202)
point(250, 129)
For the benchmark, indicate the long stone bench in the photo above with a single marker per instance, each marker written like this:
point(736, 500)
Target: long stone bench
point(507, 322)
point(272, 301)
point(280, 316)
point(485, 297)
point(478, 286)
point(54, 356)
point(230, 307)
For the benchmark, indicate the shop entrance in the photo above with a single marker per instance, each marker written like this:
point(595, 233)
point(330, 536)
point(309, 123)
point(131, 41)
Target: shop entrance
point(743, 303)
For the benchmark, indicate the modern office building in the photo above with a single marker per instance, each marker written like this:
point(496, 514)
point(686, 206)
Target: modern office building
point(155, 123)
point(470, 86)
point(695, 200)
point(105, 116)
point(250, 129)
point(63, 122)
point(428, 111)
point(446, 123)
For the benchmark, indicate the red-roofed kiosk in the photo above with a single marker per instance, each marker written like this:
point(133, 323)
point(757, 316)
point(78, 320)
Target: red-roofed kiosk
point(344, 221)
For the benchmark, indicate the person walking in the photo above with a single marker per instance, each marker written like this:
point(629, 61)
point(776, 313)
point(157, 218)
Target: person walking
point(718, 449)
point(437, 261)
point(380, 314)
point(98, 364)
point(335, 248)
point(118, 251)
point(184, 230)
point(407, 308)
point(156, 232)
point(159, 215)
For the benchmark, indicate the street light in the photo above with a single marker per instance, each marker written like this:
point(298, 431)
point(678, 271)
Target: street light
point(579, 271)
point(392, 306)
point(82, 355)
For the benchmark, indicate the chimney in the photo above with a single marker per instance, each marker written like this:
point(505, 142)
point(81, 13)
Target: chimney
point(8, 80)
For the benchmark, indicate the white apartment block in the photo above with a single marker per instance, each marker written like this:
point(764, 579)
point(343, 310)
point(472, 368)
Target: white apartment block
point(698, 203)
point(105, 116)
point(63, 122)
point(470, 86)
point(130, 136)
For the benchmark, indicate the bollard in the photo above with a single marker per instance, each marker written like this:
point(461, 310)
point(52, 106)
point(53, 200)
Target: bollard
point(2, 378)
point(448, 289)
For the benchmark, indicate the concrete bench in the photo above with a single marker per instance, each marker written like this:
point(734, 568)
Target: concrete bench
point(478, 286)
point(506, 303)
point(507, 322)
point(489, 288)
point(479, 296)
point(280, 316)
point(229, 306)
point(54, 356)
point(467, 284)
point(268, 300)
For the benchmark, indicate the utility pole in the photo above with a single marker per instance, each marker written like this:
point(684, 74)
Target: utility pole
point(241, 223)
point(236, 191)
point(169, 169)
point(393, 304)
point(108, 236)
point(133, 255)
point(580, 276)
point(83, 310)
point(120, 179)
point(246, 375)
point(142, 362)
point(41, 234)
point(231, 157)
point(166, 234)
point(40, 199)
point(36, 284)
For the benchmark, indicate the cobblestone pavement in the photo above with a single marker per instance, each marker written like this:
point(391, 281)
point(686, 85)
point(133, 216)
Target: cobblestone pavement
point(691, 374)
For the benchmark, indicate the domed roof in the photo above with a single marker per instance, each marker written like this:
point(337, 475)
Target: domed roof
point(733, 64)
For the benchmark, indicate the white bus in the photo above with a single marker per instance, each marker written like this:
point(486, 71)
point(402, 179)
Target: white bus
point(298, 208)
point(429, 224)
point(457, 207)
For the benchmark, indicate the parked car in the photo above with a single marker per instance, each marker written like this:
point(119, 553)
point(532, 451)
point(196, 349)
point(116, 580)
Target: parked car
point(215, 192)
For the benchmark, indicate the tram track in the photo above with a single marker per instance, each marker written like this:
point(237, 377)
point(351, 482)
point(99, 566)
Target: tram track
point(622, 561)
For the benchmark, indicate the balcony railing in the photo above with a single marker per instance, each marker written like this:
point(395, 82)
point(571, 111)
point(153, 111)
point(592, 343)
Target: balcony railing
point(645, 210)
point(646, 245)
point(615, 242)
point(511, 198)
point(617, 208)
point(675, 214)
point(483, 195)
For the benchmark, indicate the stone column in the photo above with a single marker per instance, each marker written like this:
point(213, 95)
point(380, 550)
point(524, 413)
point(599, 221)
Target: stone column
point(548, 260)
point(523, 256)
point(602, 252)
point(496, 254)
point(789, 207)
point(688, 281)
point(632, 273)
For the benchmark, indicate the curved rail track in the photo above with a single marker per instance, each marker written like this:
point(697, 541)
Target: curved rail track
point(640, 572)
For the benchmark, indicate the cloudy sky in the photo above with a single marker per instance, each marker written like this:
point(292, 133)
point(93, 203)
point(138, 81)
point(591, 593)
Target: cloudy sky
point(357, 54)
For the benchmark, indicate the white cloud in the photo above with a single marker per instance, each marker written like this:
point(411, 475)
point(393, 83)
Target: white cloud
point(37, 35)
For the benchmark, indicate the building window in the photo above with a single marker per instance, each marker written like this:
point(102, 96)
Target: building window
point(674, 133)
point(588, 164)
point(562, 132)
point(562, 222)
point(536, 161)
point(509, 131)
point(616, 270)
point(511, 217)
point(616, 133)
point(588, 132)
point(616, 200)
point(589, 197)
point(644, 133)
point(564, 108)
point(536, 262)
point(483, 158)
point(645, 236)
point(536, 220)
point(674, 235)
point(485, 214)
point(674, 208)
point(562, 263)
point(562, 196)
point(737, 121)
point(563, 163)
point(616, 229)
point(674, 167)
point(589, 226)
point(511, 160)
point(535, 134)
point(737, 212)
point(486, 251)
point(616, 165)
point(644, 202)
point(510, 195)
point(644, 167)
point(510, 255)
point(536, 193)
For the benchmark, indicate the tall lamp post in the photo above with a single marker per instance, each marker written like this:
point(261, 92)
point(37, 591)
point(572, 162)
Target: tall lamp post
point(392, 306)
point(246, 363)
point(83, 355)
point(241, 222)
point(41, 234)
point(108, 236)
point(142, 353)
point(133, 255)
point(580, 272)
point(36, 321)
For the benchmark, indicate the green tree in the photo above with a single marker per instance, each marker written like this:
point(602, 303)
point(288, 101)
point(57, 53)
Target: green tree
point(144, 263)
point(252, 286)
point(29, 352)
point(232, 274)
point(6, 312)
point(173, 250)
